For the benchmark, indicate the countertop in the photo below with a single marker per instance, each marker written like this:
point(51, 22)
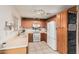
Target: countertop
point(17, 42)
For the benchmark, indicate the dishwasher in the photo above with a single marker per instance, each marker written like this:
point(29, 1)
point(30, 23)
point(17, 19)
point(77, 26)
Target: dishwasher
point(36, 36)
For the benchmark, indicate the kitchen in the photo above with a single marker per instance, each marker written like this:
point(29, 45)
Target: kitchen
point(33, 25)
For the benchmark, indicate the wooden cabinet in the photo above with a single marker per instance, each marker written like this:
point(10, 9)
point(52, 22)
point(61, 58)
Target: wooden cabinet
point(44, 37)
point(28, 22)
point(59, 36)
point(30, 37)
point(15, 51)
point(66, 35)
point(61, 21)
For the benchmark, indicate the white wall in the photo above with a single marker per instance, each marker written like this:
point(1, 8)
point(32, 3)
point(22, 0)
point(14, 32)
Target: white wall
point(6, 13)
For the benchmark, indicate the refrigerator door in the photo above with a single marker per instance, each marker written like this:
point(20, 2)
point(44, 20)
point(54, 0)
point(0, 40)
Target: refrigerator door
point(51, 35)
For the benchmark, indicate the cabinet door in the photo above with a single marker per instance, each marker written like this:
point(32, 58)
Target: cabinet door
point(30, 37)
point(44, 37)
point(62, 32)
point(59, 32)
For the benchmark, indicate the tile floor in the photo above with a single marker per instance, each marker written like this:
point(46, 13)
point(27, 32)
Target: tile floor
point(40, 48)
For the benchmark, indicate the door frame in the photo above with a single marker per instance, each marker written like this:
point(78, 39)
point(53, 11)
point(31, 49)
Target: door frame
point(77, 31)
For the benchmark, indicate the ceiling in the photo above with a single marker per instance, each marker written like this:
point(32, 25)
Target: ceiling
point(33, 11)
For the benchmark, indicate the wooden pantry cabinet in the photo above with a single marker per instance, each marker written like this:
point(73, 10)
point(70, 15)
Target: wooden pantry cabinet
point(66, 32)
point(61, 21)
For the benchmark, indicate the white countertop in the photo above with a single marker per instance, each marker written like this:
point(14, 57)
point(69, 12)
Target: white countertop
point(17, 42)
point(32, 31)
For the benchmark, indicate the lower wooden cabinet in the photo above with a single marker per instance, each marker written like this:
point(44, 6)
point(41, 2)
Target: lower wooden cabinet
point(44, 37)
point(15, 51)
point(30, 37)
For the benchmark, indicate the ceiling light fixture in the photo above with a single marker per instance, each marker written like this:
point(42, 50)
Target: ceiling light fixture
point(39, 12)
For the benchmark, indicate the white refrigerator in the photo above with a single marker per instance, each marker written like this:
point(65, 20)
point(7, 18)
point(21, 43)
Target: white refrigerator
point(51, 35)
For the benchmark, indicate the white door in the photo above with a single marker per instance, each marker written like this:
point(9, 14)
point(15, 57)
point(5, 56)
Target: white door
point(51, 35)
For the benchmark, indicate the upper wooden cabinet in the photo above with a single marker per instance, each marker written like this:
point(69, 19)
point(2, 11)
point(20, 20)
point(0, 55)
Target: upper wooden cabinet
point(28, 23)
point(61, 21)
point(73, 9)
